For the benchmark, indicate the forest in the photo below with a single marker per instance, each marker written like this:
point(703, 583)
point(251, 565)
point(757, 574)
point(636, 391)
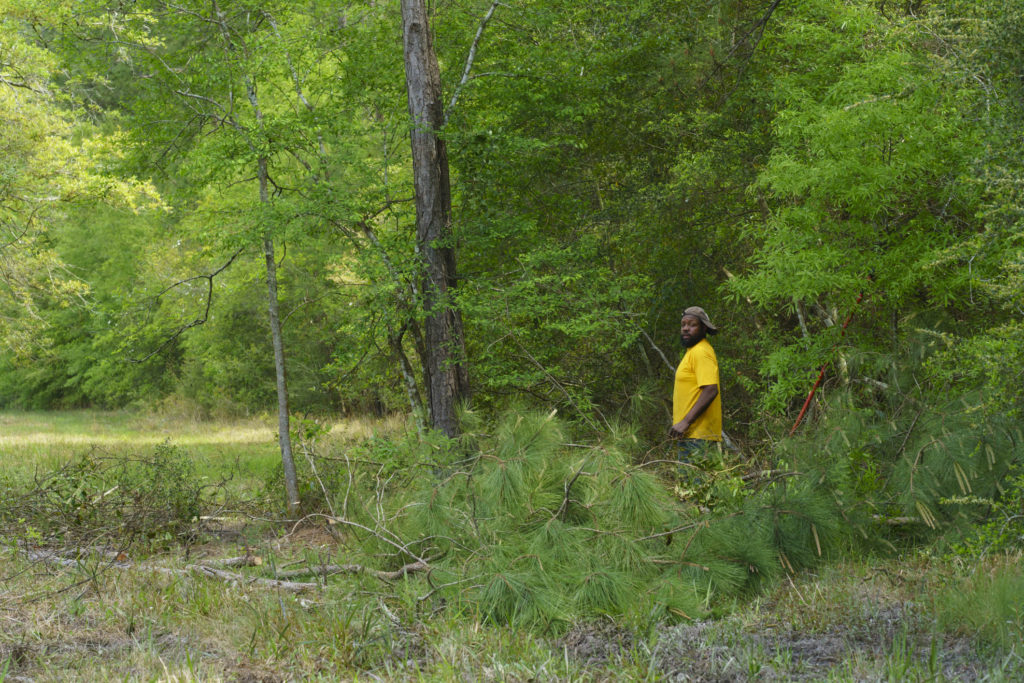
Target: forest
point(467, 229)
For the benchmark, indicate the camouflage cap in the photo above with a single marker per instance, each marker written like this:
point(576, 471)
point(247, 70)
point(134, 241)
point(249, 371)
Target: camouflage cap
point(698, 313)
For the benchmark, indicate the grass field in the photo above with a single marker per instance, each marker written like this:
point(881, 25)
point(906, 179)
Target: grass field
point(143, 615)
point(31, 441)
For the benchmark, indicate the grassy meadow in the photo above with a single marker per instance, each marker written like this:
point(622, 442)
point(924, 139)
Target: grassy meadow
point(34, 441)
point(143, 614)
point(244, 447)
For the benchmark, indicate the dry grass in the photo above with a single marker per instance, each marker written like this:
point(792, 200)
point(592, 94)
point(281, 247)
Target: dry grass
point(364, 428)
point(40, 441)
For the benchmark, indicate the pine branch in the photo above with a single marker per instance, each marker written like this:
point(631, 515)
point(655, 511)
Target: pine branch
point(568, 487)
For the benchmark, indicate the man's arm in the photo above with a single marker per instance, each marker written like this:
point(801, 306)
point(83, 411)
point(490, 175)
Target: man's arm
point(707, 395)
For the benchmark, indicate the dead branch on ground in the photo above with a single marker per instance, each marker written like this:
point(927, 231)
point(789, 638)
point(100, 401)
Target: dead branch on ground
point(331, 569)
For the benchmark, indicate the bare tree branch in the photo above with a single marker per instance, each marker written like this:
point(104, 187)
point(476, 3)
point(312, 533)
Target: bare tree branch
point(757, 28)
point(39, 90)
point(331, 569)
point(206, 311)
point(470, 58)
point(564, 507)
point(655, 347)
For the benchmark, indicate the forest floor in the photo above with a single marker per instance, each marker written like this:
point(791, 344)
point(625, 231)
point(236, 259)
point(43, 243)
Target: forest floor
point(143, 614)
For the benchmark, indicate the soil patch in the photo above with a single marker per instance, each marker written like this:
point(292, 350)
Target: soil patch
point(596, 643)
point(722, 651)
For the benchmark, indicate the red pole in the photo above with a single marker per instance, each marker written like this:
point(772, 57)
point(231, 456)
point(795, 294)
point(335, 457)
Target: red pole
point(821, 375)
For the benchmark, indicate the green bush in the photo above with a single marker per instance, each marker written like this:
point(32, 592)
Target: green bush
point(535, 531)
point(1003, 530)
point(96, 499)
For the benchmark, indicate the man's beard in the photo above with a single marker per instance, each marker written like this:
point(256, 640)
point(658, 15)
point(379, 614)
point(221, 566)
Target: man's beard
point(692, 341)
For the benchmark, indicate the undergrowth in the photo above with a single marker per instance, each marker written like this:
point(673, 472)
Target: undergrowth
point(535, 542)
point(530, 529)
point(987, 603)
point(98, 498)
point(520, 525)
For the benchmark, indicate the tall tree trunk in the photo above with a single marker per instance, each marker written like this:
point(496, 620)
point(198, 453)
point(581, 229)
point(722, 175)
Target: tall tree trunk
point(444, 365)
point(291, 487)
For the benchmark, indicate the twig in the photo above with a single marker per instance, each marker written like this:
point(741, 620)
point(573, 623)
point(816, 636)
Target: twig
point(470, 58)
point(910, 430)
point(210, 572)
point(896, 521)
point(660, 462)
point(758, 27)
point(568, 487)
point(655, 347)
point(559, 386)
point(672, 531)
point(388, 613)
point(79, 554)
point(39, 90)
point(435, 589)
point(766, 474)
point(206, 312)
point(240, 561)
point(399, 546)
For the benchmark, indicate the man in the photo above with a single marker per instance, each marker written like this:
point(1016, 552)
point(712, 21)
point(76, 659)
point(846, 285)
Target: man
point(696, 403)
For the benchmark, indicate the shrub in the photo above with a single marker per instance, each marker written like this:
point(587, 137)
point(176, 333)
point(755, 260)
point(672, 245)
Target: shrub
point(535, 531)
point(1003, 531)
point(96, 498)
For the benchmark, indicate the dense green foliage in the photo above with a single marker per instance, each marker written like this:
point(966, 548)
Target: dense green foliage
point(608, 167)
point(790, 167)
point(529, 530)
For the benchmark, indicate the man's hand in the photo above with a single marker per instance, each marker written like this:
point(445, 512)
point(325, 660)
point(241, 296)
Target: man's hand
point(707, 395)
point(679, 429)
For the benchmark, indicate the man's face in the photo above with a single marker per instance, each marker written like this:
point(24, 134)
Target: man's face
point(691, 330)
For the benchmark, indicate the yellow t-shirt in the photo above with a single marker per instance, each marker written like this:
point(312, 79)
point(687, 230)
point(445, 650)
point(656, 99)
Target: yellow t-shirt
point(699, 368)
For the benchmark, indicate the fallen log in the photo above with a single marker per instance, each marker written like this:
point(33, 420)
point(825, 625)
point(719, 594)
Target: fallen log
point(104, 553)
point(210, 572)
point(282, 581)
point(240, 561)
point(223, 575)
point(330, 569)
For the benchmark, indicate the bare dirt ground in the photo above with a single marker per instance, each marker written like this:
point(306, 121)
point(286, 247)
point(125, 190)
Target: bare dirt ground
point(856, 627)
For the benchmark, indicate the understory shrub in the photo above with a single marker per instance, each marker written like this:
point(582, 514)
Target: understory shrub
point(531, 529)
point(97, 498)
point(1002, 530)
point(932, 466)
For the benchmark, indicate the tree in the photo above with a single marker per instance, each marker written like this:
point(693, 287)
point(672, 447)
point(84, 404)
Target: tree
point(55, 162)
point(193, 94)
point(867, 188)
point(444, 365)
point(601, 160)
